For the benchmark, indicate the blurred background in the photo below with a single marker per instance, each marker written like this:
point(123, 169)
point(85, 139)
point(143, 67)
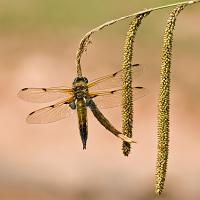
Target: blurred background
point(38, 44)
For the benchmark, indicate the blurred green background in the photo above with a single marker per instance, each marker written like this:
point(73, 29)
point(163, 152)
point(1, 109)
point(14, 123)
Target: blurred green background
point(51, 14)
point(38, 44)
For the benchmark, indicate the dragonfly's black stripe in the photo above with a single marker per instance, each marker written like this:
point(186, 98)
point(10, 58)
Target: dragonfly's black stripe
point(83, 134)
point(82, 118)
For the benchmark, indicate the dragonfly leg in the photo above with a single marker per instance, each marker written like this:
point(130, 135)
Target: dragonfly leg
point(72, 105)
point(87, 102)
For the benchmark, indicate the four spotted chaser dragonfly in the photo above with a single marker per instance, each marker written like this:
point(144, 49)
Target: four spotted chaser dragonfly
point(79, 97)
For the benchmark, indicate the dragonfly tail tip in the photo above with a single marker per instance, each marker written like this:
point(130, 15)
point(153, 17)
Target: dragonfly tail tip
point(84, 147)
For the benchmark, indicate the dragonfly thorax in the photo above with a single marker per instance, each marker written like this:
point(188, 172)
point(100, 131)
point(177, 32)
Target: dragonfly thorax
point(80, 87)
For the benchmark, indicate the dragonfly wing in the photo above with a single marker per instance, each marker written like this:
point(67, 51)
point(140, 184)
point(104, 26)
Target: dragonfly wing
point(113, 80)
point(50, 114)
point(42, 95)
point(113, 98)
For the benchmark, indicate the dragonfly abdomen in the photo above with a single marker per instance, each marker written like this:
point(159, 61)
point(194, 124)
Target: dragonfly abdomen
point(82, 119)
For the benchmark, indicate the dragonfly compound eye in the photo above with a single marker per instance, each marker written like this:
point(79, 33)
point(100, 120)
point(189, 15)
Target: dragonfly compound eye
point(85, 79)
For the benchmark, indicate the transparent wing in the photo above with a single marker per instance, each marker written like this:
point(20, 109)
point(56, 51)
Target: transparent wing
point(42, 95)
point(113, 98)
point(113, 80)
point(50, 114)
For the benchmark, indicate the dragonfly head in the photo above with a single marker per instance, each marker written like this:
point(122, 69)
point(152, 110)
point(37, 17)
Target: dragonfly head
point(80, 80)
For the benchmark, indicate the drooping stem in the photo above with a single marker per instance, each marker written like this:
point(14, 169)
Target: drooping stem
point(86, 39)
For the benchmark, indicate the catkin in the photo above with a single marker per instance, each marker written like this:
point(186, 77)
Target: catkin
point(164, 101)
point(127, 101)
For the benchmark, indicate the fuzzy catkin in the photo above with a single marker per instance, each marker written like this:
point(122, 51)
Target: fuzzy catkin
point(127, 101)
point(164, 101)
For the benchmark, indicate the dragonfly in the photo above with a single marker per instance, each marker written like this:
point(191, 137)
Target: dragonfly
point(81, 96)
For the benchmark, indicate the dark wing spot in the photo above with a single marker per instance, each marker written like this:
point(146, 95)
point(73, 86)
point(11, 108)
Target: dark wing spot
point(112, 92)
point(32, 113)
point(66, 102)
point(115, 74)
point(138, 87)
point(135, 65)
point(44, 89)
point(24, 89)
point(52, 106)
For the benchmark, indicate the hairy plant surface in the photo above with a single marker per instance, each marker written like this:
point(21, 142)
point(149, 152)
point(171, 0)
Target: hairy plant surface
point(164, 101)
point(127, 99)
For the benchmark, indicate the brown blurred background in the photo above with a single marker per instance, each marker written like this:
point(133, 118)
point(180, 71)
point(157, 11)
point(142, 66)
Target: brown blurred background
point(38, 43)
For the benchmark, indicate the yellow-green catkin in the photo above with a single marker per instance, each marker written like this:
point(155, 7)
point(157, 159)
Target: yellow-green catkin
point(164, 101)
point(127, 101)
